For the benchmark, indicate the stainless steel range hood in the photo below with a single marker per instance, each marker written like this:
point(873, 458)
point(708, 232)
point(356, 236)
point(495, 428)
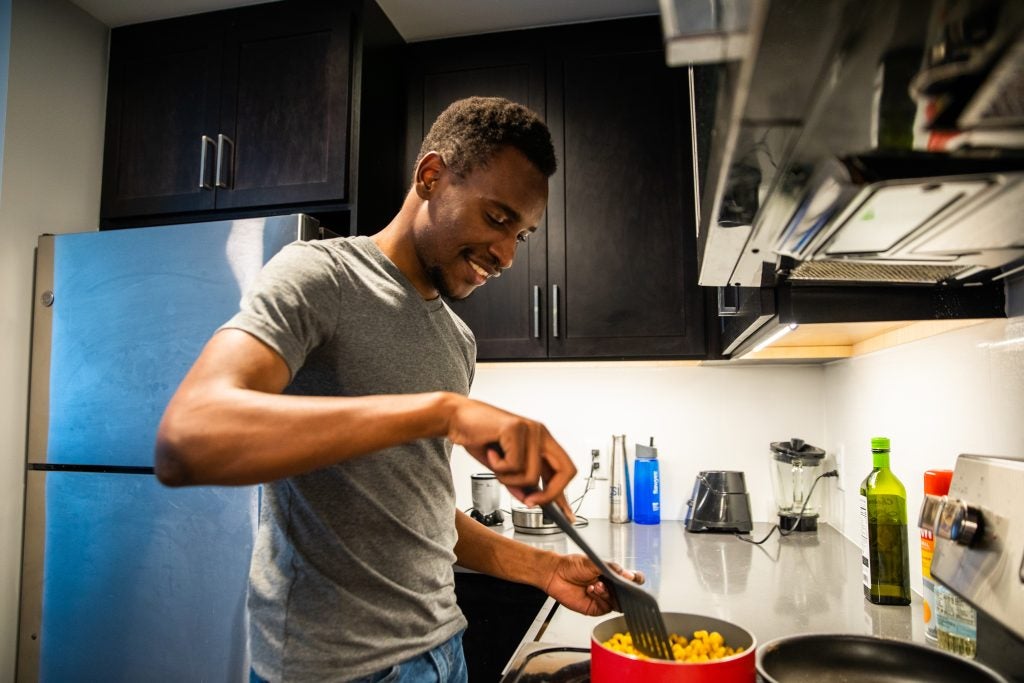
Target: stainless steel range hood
point(872, 151)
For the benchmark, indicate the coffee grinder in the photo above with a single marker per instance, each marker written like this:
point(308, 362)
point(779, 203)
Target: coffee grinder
point(795, 466)
point(486, 499)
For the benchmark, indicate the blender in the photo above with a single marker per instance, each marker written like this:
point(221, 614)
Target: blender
point(486, 492)
point(795, 466)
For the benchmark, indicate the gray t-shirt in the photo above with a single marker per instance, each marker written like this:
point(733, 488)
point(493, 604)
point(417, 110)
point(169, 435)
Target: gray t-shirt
point(352, 569)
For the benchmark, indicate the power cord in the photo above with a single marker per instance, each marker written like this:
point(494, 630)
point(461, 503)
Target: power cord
point(796, 521)
point(578, 502)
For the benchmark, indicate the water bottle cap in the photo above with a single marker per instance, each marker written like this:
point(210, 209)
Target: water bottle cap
point(646, 452)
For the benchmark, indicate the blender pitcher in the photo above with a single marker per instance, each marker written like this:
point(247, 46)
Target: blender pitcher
point(795, 466)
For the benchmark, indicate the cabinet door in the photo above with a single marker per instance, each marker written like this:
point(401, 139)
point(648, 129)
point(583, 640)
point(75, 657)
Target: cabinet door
point(163, 97)
point(621, 251)
point(285, 105)
point(507, 315)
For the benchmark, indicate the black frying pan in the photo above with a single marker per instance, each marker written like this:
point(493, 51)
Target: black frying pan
point(855, 658)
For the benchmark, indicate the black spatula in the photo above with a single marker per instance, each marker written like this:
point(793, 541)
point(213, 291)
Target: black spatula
point(643, 616)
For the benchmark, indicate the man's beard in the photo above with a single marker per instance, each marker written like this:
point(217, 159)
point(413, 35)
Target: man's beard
point(436, 275)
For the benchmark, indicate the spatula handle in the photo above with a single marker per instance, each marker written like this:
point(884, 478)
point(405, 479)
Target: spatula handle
point(553, 512)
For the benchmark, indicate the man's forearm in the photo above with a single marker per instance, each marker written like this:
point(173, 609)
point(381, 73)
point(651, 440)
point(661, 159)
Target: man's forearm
point(247, 436)
point(485, 551)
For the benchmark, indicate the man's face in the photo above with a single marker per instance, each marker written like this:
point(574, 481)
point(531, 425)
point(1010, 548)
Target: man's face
point(469, 229)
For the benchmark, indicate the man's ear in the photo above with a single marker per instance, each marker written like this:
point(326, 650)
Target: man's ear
point(428, 172)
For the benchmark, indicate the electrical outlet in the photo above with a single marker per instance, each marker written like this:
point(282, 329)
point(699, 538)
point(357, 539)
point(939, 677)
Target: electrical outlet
point(841, 467)
point(597, 469)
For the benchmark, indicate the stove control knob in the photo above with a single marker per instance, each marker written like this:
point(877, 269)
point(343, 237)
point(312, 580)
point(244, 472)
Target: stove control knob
point(959, 522)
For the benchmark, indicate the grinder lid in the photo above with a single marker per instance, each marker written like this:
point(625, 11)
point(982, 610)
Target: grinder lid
point(794, 450)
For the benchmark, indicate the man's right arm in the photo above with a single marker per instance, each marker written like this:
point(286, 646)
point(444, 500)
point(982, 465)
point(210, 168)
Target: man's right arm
point(229, 424)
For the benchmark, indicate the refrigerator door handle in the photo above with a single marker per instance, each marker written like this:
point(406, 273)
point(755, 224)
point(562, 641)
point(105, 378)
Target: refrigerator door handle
point(225, 181)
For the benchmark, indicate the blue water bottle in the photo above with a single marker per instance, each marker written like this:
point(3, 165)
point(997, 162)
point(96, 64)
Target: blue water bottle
point(646, 485)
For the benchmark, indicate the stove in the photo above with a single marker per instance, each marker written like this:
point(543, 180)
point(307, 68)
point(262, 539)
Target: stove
point(536, 662)
point(979, 552)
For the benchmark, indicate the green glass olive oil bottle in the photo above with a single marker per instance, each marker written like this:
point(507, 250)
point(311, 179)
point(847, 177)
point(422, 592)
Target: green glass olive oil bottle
point(884, 542)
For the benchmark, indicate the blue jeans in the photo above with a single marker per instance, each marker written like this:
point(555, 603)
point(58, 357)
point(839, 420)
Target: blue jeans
point(446, 663)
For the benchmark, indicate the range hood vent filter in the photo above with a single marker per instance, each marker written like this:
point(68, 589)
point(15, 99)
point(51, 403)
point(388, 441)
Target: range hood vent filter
point(840, 271)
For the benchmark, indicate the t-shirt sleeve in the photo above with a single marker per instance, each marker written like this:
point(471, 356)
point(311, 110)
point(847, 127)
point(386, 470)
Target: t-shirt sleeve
point(287, 305)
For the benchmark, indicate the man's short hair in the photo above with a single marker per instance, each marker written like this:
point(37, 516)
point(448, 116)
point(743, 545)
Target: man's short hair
point(471, 131)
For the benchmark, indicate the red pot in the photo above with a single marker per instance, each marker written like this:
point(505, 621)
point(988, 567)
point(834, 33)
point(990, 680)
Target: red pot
point(609, 666)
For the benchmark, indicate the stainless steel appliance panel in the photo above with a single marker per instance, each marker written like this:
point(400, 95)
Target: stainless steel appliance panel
point(141, 582)
point(131, 310)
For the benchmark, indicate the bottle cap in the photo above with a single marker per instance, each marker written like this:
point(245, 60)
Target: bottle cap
point(936, 482)
point(880, 443)
point(646, 452)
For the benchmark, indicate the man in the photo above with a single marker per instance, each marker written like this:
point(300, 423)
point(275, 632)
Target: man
point(343, 383)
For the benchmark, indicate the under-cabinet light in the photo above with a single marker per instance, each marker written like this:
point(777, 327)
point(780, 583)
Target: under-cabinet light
point(772, 339)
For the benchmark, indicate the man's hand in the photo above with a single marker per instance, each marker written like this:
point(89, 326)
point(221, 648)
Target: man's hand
point(528, 453)
point(575, 583)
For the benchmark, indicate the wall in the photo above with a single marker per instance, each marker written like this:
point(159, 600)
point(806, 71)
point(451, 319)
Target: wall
point(52, 153)
point(709, 417)
point(960, 392)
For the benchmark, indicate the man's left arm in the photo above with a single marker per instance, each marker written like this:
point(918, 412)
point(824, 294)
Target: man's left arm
point(572, 580)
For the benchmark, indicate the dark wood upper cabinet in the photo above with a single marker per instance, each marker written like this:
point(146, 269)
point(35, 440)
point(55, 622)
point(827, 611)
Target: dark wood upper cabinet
point(285, 105)
point(505, 314)
point(242, 108)
point(612, 272)
point(163, 97)
point(622, 238)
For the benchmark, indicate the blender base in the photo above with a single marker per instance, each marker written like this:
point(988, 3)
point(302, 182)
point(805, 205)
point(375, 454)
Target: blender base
point(491, 519)
point(806, 523)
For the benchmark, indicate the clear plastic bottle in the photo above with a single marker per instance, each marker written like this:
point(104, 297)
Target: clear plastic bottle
point(956, 623)
point(646, 485)
point(884, 541)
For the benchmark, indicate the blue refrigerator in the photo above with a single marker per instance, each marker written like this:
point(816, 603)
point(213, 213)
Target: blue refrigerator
point(122, 578)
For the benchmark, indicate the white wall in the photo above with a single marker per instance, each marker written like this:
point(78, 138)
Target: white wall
point(701, 418)
point(960, 392)
point(52, 154)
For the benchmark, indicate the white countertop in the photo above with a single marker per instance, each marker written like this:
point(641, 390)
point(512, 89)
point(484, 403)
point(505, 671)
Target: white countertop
point(804, 583)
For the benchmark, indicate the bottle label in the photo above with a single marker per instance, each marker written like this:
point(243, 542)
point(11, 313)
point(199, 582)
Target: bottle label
point(954, 615)
point(865, 559)
point(956, 623)
point(887, 568)
point(927, 551)
point(927, 587)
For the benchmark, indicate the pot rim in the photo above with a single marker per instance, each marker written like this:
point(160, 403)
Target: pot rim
point(751, 649)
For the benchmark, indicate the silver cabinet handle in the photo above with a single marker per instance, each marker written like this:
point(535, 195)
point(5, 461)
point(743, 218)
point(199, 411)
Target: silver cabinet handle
point(221, 141)
point(536, 311)
point(728, 301)
point(204, 142)
point(554, 311)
